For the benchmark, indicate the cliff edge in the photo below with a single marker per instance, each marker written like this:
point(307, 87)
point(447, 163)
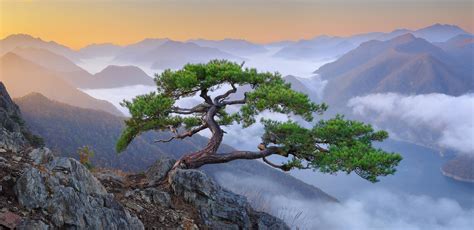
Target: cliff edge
point(39, 190)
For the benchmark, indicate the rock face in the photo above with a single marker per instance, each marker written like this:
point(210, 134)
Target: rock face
point(72, 197)
point(39, 190)
point(219, 208)
point(11, 123)
point(66, 195)
point(158, 170)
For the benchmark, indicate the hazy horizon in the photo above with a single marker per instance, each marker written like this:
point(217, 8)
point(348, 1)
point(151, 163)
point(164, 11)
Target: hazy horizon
point(230, 38)
point(255, 21)
point(419, 88)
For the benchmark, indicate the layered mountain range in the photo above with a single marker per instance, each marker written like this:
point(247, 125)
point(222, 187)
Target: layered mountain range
point(326, 47)
point(405, 64)
point(23, 77)
point(435, 59)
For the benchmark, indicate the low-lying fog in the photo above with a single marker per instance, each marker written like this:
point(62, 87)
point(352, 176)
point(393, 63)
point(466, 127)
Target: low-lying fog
point(263, 62)
point(418, 196)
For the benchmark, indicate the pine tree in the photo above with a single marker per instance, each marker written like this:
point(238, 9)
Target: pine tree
point(329, 146)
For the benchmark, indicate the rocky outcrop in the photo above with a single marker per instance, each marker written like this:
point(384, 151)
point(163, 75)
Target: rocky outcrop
point(186, 199)
point(11, 136)
point(48, 192)
point(13, 133)
point(219, 208)
point(39, 190)
point(71, 196)
point(159, 170)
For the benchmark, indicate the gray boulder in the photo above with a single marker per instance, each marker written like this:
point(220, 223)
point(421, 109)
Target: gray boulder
point(29, 224)
point(152, 195)
point(40, 156)
point(72, 197)
point(219, 208)
point(159, 170)
point(264, 221)
point(13, 141)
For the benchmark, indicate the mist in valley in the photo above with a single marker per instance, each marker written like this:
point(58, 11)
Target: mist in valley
point(428, 127)
point(418, 196)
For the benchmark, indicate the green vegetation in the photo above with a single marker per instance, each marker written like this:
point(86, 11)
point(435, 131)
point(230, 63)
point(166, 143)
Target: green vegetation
point(85, 154)
point(34, 140)
point(329, 146)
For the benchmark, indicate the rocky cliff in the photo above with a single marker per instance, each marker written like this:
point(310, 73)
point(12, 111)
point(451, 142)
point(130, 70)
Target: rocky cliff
point(13, 133)
point(39, 190)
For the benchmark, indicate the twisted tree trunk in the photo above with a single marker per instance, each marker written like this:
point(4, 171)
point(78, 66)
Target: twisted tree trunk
point(209, 155)
point(190, 160)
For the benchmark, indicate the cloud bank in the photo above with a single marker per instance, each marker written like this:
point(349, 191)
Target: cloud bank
point(449, 116)
point(368, 210)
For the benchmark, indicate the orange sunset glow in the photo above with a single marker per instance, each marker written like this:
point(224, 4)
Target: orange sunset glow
point(79, 23)
point(237, 114)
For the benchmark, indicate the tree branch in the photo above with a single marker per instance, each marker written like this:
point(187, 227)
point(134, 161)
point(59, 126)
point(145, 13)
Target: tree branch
point(321, 149)
point(201, 108)
point(188, 133)
point(179, 95)
point(235, 102)
point(206, 97)
point(218, 158)
point(226, 94)
point(282, 167)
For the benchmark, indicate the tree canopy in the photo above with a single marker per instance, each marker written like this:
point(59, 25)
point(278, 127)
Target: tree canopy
point(329, 146)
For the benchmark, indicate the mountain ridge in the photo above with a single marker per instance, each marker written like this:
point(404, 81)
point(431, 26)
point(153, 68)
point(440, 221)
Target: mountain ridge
point(22, 77)
point(114, 76)
point(405, 64)
point(12, 41)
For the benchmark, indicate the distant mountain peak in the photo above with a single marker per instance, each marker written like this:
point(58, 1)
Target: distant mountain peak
point(21, 36)
point(401, 31)
point(25, 40)
point(408, 37)
point(131, 70)
point(439, 26)
point(28, 38)
point(112, 67)
point(10, 56)
point(152, 40)
point(35, 96)
point(172, 43)
point(100, 44)
point(114, 76)
point(439, 32)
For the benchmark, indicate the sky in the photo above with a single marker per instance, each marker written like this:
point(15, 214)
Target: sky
point(77, 23)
